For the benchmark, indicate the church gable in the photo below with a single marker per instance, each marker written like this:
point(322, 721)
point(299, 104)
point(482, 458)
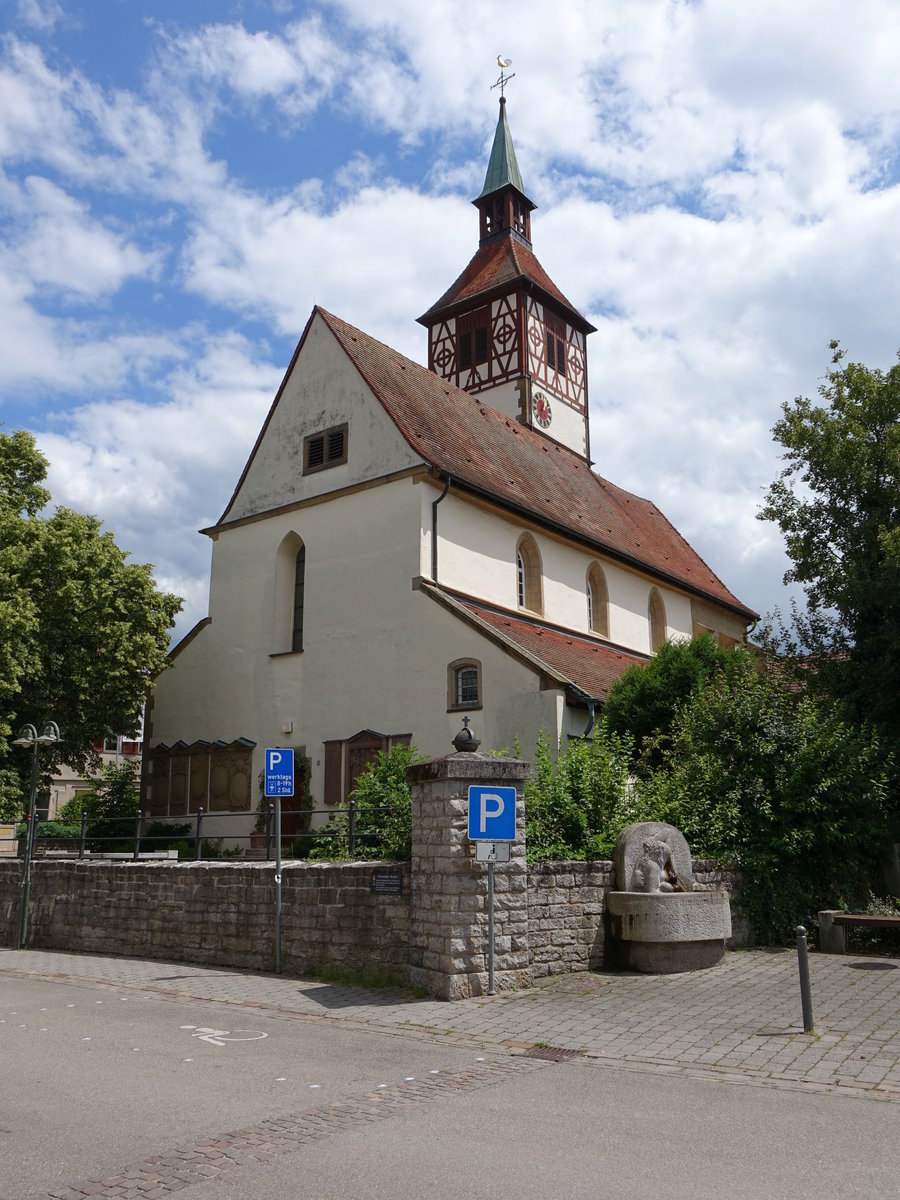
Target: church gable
point(324, 432)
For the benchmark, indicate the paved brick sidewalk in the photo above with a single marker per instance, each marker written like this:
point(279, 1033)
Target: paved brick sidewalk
point(741, 1019)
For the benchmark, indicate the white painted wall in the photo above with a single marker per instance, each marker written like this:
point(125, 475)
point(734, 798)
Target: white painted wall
point(323, 390)
point(567, 424)
point(505, 397)
point(375, 655)
point(476, 554)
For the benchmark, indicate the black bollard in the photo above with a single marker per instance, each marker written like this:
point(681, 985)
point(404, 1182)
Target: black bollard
point(805, 991)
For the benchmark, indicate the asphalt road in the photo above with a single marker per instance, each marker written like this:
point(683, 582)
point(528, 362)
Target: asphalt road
point(95, 1079)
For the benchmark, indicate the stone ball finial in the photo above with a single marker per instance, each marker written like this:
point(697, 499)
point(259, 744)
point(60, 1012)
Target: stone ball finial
point(465, 741)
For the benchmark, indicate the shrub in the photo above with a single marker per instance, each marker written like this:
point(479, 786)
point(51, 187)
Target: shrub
point(759, 774)
point(643, 702)
point(111, 805)
point(169, 835)
point(52, 829)
point(383, 813)
point(577, 801)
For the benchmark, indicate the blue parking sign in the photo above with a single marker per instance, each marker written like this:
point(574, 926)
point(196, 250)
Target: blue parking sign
point(492, 814)
point(279, 772)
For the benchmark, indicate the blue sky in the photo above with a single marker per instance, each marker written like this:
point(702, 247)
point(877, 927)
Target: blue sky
point(717, 186)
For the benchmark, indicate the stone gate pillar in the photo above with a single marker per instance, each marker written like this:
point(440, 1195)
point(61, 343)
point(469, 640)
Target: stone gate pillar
point(448, 953)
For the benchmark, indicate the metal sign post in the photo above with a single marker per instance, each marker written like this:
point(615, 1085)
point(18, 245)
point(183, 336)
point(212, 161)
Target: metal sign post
point(278, 887)
point(491, 926)
point(492, 826)
point(279, 777)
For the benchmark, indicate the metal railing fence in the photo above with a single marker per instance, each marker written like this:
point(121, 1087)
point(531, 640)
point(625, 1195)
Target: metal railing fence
point(130, 837)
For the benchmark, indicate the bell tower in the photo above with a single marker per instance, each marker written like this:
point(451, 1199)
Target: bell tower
point(504, 330)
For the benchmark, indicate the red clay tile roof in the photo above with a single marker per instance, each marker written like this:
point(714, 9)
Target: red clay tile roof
point(592, 667)
point(506, 261)
point(462, 436)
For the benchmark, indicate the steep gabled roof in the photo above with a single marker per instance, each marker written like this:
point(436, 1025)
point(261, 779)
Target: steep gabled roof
point(582, 663)
point(495, 267)
point(495, 457)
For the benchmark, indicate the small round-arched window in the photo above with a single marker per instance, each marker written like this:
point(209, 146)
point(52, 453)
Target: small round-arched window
point(597, 601)
point(529, 583)
point(464, 684)
point(656, 614)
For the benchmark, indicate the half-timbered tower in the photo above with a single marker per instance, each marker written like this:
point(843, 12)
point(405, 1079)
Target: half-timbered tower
point(504, 328)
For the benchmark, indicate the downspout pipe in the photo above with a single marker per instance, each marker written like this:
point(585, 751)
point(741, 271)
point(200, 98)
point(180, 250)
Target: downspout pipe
point(592, 715)
point(434, 530)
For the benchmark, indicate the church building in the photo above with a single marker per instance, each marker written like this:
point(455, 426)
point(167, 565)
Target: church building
point(407, 546)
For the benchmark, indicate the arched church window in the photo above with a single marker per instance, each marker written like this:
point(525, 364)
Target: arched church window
point(528, 575)
point(656, 614)
point(597, 601)
point(290, 588)
point(299, 580)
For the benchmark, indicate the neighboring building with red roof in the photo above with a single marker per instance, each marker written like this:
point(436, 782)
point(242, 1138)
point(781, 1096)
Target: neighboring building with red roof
point(406, 545)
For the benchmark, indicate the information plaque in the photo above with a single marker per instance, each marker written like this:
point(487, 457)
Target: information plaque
point(386, 882)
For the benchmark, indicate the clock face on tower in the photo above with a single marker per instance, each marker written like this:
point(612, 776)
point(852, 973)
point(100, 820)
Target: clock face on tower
point(540, 408)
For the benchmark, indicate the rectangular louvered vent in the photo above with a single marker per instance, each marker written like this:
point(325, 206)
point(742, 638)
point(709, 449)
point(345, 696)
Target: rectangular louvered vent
point(326, 449)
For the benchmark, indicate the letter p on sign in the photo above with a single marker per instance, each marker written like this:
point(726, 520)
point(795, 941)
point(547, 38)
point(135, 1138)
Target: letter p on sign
point(492, 814)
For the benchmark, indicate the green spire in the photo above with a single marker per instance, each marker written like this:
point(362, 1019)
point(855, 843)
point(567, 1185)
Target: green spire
point(502, 167)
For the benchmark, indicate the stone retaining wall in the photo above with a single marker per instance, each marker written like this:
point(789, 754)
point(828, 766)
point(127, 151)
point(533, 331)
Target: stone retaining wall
point(566, 902)
point(221, 914)
point(224, 914)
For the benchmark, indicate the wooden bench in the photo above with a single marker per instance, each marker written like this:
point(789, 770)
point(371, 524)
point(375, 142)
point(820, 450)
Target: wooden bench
point(833, 926)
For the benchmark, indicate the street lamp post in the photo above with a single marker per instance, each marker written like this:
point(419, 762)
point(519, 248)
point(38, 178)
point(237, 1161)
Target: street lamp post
point(29, 737)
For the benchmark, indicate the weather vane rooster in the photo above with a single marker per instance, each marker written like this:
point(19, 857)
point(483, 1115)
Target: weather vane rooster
point(504, 79)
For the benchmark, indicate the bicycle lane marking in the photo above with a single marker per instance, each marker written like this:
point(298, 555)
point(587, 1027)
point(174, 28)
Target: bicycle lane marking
point(219, 1037)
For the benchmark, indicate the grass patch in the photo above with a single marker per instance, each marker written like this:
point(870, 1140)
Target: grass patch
point(367, 978)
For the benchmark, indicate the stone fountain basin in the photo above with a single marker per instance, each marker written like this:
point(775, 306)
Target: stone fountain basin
point(666, 932)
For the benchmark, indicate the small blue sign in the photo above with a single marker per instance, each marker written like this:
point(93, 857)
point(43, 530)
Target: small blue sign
point(492, 814)
point(279, 772)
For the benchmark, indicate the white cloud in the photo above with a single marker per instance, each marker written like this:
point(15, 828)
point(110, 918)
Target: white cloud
point(35, 114)
point(47, 354)
point(156, 473)
point(61, 246)
point(717, 191)
point(39, 14)
point(276, 260)
point(298, 68)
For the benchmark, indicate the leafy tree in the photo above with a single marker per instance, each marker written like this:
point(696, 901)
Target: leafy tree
point(578, 799)
point(82, 630)
point(837, 502)
point(642, 703)
point(760, 773)
point(22, 497)
point(383, 813)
